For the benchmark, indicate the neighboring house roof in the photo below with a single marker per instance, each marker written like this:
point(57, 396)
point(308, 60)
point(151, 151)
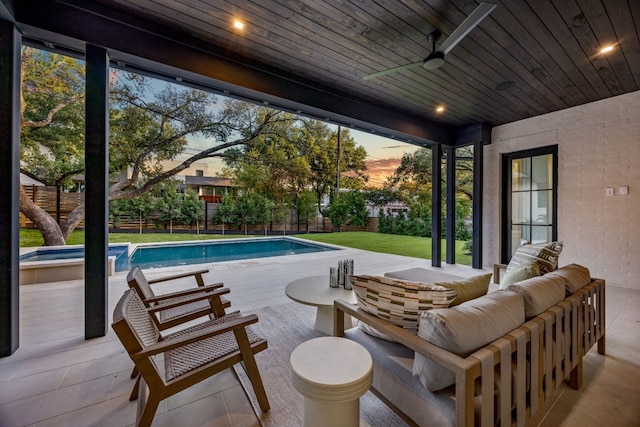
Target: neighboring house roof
point(27, 180)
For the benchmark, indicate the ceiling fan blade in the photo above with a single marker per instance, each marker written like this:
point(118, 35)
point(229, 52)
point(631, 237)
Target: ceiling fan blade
point(392, 70)
point(467, 25)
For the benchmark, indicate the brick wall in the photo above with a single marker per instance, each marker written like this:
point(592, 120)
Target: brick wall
point(598, 147)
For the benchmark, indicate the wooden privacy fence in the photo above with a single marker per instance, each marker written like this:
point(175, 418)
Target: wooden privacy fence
point(46, 198)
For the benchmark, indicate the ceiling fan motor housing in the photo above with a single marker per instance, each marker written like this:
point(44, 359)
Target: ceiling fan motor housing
point(433, 61)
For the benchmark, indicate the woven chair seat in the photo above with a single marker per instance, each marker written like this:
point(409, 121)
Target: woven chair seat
point(185, 359)
point(180, 311)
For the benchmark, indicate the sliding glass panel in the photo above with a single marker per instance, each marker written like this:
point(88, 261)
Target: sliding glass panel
point(542, 172)
point(541, 210)
point(521, 208)
point(540, 234)
point(520, 175)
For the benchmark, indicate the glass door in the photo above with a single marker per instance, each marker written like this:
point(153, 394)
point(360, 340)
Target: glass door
point(530, 198)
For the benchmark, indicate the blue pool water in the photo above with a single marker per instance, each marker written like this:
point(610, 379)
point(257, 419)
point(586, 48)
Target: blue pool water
point(167, 254)
point(68, 253)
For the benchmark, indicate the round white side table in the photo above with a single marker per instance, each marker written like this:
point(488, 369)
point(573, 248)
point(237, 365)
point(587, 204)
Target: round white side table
point(315, 291)
point(331, 373)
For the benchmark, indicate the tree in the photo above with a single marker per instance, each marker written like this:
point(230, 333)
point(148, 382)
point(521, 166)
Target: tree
point(147, 125)
point(52, 128)
point(318, 144)
point(225, 211)
point(252, 208)
point(348, 208)
point(307, 207)
point(169, 206)
point(192, 209)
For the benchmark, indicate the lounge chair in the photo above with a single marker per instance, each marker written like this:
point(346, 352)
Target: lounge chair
point(190, 355)
point(181, 306)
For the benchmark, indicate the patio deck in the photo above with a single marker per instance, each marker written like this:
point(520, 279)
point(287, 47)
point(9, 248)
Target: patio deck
point(56, 378)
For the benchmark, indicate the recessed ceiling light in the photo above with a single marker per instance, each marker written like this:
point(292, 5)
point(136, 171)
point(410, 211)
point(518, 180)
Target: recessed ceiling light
point(606, 49)
point(440, 109)
point(238, 25)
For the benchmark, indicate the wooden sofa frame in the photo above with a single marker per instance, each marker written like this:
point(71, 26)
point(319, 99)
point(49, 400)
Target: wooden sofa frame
point(530, 353)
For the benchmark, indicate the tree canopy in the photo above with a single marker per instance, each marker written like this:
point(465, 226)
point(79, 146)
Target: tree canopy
point(148, 124)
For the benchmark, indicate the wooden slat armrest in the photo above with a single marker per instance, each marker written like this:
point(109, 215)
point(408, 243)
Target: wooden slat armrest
point(449, 360)
point(179, 276)
point(166, 305)
point(208, 289)
point(163, 346)
point(496, 272)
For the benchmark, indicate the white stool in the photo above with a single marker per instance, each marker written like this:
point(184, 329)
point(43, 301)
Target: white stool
point(331, 373)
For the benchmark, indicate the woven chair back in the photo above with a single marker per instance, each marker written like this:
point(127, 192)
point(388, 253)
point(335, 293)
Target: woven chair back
point(137, 280)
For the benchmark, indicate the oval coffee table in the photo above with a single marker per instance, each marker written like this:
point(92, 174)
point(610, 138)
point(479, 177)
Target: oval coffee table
point(315, 291)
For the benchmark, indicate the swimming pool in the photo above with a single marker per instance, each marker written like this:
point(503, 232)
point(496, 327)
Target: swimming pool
point(173, 254)
point(167, 255)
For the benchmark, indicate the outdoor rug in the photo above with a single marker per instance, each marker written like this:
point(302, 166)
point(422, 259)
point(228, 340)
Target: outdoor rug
point(285, 327)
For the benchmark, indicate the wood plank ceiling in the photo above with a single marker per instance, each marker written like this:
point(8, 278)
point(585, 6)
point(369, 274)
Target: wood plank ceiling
point(527, 58)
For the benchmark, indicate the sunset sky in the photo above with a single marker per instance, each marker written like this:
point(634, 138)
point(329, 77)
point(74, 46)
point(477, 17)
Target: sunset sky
point(383, 154)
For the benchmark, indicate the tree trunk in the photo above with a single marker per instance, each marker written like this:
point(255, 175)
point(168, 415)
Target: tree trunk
point(74, 218)
point(48, 227)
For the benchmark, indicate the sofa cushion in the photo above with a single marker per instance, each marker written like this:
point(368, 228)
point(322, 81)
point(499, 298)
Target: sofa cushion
point(545, 254)
point(540, 293)
point(464, 329)
point(520, 273)
point(467, 288)
point(399, 301)
point(575, 276)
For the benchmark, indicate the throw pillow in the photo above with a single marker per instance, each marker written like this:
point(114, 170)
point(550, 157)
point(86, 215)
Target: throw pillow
point(399, 301)
point(545, 254)
point(464, 329)
point(520, 273)
point(468, 288)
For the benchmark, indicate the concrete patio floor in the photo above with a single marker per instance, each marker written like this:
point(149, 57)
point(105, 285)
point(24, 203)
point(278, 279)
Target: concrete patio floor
point(57, 378)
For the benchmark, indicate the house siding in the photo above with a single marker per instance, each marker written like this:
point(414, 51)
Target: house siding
point(598, 147)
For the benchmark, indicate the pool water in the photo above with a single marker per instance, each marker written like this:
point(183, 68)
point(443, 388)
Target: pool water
point(67, 253)
point(167, 255)
point(172, 254)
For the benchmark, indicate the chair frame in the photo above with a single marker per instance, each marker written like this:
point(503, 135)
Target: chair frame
point(176, 299)
point(153, 387)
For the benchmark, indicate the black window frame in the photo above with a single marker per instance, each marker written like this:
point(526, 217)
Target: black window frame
point(506, 222)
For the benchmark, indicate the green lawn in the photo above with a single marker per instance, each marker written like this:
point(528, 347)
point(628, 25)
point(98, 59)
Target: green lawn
point(418, 247)
point(34, 238)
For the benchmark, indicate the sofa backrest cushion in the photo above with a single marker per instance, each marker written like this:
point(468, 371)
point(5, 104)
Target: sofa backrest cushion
point(575, 276)
point(464, 329)
point(545, 254)
point(540, 293)
point(467, 288)
point(520, 273)
point(399, 301)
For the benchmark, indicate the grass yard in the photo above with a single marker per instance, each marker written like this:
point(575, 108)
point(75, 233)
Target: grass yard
point(417, 247)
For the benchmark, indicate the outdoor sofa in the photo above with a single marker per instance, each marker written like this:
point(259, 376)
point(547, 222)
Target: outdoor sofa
point(492, 360)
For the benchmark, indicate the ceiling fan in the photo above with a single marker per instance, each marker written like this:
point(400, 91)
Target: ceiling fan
point(436, 57)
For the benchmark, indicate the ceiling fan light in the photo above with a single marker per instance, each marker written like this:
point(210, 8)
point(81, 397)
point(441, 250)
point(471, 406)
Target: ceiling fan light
point(433, 61)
